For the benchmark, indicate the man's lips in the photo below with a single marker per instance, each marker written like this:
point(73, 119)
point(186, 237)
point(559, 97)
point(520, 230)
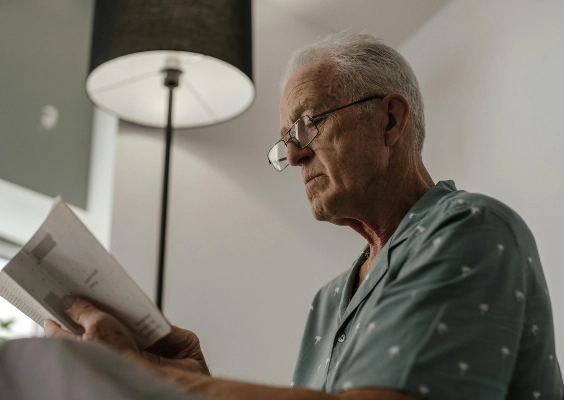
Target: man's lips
point(309, 178)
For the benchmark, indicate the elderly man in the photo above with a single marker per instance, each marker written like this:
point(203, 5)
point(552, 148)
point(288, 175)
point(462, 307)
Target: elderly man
point(448, 299)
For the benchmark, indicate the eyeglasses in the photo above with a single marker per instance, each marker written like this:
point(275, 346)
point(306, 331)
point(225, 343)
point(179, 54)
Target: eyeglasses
point(302, 132)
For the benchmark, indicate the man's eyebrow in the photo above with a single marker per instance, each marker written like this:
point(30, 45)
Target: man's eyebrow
point(310, 105)
point(307, 105)
point(284, 130)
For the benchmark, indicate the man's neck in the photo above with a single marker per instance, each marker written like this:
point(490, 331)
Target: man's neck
point(382, 219)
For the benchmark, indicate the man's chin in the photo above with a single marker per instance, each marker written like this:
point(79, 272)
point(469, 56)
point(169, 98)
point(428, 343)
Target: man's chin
point(321, 212)
point(325, 205)
point(318, 216)
point(318, 211)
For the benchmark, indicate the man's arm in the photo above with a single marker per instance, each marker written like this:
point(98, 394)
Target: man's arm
point(222, 389)
point(185, 364)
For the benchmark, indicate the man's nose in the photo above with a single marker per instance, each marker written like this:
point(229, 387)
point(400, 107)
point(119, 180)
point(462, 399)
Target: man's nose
point(298, 156)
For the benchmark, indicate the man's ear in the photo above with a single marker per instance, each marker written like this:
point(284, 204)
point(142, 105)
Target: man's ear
point(398, 114)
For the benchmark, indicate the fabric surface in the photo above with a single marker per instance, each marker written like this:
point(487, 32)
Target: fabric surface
point(57, 369)
point(455, 306)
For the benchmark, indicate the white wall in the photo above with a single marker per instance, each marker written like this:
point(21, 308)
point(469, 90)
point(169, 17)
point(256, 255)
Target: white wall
point(245, 257)
point(492, 80)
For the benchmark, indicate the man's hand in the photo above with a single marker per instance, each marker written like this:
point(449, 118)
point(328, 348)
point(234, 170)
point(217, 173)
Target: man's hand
point(98, 326)
point(179, 349)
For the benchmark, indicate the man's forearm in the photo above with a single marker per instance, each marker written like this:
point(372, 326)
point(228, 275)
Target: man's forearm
point(223, 389)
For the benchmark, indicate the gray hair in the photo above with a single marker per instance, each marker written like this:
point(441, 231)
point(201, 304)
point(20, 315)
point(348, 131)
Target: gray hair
point(366, 67)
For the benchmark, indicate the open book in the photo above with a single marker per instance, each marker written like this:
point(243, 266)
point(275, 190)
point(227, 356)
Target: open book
point(63, 258)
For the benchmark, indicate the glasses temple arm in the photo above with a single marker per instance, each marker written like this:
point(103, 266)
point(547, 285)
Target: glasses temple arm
point(326, 113)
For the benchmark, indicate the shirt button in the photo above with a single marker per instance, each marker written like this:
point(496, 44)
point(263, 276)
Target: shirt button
point(341, 338)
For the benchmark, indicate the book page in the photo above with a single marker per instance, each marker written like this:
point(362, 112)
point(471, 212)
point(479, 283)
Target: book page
point(63, 257)
point(23, 301)
point(34, 292)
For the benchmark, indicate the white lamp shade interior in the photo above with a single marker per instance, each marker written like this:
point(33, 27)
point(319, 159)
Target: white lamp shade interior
point(132, 87)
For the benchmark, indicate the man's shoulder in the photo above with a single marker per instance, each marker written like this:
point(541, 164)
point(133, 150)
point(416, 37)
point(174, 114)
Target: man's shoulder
point(480, 205)
point(461, 199)
point(461, 210)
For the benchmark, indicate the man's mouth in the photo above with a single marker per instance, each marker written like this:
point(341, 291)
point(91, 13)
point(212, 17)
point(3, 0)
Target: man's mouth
point(310, 178)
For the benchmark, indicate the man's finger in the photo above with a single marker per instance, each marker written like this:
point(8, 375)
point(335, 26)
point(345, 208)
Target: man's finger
point(176, 336)
point(79, 309)
point(52, 329)
point(176, 341)
point(182, 364)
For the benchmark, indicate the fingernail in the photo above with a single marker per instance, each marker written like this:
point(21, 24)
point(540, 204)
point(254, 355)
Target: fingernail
point(68, 302)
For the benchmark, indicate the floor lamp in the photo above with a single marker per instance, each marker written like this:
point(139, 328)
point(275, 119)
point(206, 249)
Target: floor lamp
point(171, 64)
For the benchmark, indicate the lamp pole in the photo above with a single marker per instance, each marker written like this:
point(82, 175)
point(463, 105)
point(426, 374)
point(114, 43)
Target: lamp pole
point(171, 79)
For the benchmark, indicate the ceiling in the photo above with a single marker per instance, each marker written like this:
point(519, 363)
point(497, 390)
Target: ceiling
point(392, 20)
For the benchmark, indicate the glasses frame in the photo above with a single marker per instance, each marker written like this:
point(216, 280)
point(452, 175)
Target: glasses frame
point(312, 119)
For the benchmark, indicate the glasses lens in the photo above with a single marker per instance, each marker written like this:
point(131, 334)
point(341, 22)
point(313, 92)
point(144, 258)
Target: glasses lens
point(304, 131)
point(278, 156)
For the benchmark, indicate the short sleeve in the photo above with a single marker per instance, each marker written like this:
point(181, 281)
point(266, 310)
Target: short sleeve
point(448, 321)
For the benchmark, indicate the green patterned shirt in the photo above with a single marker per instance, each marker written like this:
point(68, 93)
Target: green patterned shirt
point(455, 306)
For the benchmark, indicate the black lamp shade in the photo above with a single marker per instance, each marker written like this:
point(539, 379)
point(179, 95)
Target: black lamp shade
point(211, 40)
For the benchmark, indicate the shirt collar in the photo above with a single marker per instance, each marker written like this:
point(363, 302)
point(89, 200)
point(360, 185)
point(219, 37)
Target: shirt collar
point(429, 200)
point(379, 267)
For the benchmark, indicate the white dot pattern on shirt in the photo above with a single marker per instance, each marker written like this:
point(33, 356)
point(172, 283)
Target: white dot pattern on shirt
point(393, 351)
point(505, 352)
point(463, 367)
point(424, 390)
point(442, 327)
point(420, 228)
point(484, 308)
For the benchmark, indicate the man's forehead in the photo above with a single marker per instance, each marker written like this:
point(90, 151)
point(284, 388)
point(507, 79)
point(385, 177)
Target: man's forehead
point(310, 89)
point(297, 106)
